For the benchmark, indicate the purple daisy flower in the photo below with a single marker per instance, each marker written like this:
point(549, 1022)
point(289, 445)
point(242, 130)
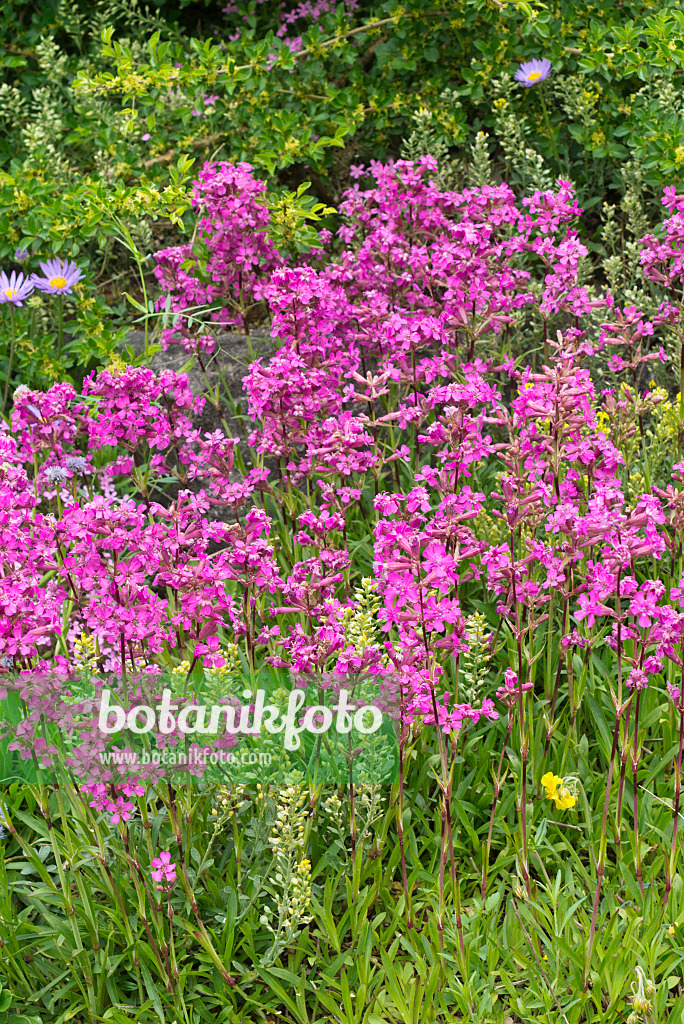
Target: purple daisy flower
point(14, 288)
point(60, 277)
point(533, 71)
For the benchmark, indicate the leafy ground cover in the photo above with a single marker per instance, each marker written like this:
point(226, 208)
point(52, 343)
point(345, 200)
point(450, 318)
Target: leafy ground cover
point(451, 487)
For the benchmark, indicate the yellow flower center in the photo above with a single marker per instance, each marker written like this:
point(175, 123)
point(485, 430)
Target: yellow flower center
point(10, 292)
point(533, 76)
point(58, 282)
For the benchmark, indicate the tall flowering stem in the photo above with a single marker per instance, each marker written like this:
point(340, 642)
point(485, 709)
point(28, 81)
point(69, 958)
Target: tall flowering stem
point(60, 324)
point(601, 863)
point(636, 754)
point(524, 742)
point(403, 738)
point(10, 363)
point(671, 862)
point(625, 747)
point(498, 783)
point(556, 687)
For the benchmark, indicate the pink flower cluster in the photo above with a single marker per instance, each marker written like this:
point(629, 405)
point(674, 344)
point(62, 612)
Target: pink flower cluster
point(391, 420)
point(240, 258)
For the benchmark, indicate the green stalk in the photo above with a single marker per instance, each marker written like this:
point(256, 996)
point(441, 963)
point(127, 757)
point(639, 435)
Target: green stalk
point(601, 865)
point(60, 324)
point(636, 753)
point(524, 747)
point(400, 806)
point(143, 892)
point(145, 301)
point(671, 863)
point(11, 357)
point(547, 122)
point(498, 783)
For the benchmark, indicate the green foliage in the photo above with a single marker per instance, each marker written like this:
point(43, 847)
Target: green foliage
point(7, 1006)
point(348, 954)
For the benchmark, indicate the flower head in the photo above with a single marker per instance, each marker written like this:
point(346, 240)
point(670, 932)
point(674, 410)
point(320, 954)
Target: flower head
point(533, 71)
point(165, 871)
point(14, 288)
point(60, 276)
point(21, 255)
point(557, 790)
point(56, 474)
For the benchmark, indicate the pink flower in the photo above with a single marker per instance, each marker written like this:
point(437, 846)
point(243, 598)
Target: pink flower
point(590, 608)
point(165, 871)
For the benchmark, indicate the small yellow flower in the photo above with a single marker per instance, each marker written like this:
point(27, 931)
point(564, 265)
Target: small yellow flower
point(550, 782)
point(557, 790)
point(564, 799)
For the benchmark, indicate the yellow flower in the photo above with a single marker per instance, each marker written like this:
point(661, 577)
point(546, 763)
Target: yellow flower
point(564, 799)
point(550, 782)
point(556, 790)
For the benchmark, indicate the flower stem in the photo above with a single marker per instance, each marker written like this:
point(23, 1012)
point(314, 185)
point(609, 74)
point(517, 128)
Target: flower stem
point(601, 865)
point(403, 731)
point(670, 865)
point(60, 324)
point(497, 791)
point(637, 840)
point(547, 122)
point(11, 357)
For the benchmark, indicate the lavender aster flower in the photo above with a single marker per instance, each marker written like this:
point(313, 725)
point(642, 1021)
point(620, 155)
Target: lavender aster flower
point(14, 288)
point(533, 71)
point(60, 277)
point(21, 255)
